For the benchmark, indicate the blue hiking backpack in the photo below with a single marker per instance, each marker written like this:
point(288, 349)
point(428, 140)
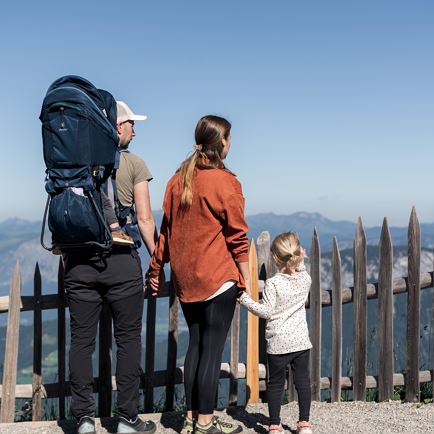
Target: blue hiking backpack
point(80, 152)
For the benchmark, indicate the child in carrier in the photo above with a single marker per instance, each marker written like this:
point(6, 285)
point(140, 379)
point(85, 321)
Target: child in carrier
point(119, 237)
point(287, 335)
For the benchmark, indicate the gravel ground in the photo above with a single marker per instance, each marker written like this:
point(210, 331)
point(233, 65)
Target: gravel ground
point(345, 418)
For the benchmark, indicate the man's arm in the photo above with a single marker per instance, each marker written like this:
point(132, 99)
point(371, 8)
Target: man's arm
point(145, 219)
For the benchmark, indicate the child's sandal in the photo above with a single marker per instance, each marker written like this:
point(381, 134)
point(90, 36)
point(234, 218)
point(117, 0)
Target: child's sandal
point(275, 429)
point(303, 427)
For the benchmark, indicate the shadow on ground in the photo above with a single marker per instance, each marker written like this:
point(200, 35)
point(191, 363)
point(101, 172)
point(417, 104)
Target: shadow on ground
point(257, 422)
point(172, 421)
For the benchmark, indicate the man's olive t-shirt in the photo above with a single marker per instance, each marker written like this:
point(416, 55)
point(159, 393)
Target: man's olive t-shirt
point(132, 170)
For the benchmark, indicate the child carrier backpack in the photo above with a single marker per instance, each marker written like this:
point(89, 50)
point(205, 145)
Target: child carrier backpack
point(80, 147)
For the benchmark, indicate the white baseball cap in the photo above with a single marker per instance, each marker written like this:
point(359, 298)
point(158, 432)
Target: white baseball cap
point(126, 114)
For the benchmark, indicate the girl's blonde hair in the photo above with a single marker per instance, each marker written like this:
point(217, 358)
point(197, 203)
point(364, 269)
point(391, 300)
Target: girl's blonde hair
point(286, 250)
point(209, 134)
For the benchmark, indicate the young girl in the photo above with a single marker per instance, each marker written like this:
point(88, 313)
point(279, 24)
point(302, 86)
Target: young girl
point(204, 236)
point(287, 335)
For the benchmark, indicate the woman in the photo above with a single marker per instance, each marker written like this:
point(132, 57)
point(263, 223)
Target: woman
point(204, 236)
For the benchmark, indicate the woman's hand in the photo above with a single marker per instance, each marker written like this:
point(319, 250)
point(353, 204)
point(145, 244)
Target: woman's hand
point(247, 290)
point(243, 291)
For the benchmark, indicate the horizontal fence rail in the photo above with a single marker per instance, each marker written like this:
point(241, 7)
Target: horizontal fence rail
point(399, 286)
point(253, 372)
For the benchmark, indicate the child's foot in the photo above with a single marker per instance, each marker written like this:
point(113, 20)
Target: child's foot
point(56, 251)
point(188, 427)
point(122, 238)
point(218, 427)
point(303, 427)
point(275, 429)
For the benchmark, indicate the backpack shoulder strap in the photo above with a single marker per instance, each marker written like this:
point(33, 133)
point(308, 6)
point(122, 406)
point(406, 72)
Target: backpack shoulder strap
point(126, 214)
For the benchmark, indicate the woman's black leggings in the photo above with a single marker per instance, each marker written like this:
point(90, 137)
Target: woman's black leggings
point(277, 364)
point(208, 324)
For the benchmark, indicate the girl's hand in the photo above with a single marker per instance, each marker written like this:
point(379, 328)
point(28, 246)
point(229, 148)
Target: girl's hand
point(303, 253)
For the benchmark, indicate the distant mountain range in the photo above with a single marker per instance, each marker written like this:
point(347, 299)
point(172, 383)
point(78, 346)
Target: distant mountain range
point(19, 241)
point(304, 223)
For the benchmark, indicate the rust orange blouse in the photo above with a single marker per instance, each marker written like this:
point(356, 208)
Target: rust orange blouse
point(205, 241)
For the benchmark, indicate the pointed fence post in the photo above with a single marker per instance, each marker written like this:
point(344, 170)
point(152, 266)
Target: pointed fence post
point(37, 348)
point(235, 356)
point(172, 348)
point(413, 310)
point(263, 251)
point(385, 316)
point(336, 323)
point(7, 411)
point(360, 314)
point(315, 316)
point(252, 375)
point(266, 269)
point(266, 264)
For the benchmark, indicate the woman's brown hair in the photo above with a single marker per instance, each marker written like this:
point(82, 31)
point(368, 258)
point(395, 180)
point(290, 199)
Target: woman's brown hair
point(209, 134)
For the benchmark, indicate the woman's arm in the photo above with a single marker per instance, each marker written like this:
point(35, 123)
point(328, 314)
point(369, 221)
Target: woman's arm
point(245, 274)
point(235, 232)
point(155, 274)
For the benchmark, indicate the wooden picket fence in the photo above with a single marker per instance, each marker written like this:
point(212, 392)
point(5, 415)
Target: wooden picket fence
point(254, 371)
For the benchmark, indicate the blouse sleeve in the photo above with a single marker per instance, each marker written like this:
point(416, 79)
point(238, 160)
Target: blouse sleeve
point(161, 253)
point(265, 307)
point(235, 227)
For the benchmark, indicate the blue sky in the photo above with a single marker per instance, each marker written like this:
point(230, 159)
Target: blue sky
point(332, 102)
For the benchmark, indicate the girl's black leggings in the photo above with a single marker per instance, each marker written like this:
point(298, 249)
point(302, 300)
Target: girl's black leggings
point(277, 364)
point(208, 324)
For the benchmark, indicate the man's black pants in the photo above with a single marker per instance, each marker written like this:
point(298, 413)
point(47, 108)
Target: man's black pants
point(116, 277)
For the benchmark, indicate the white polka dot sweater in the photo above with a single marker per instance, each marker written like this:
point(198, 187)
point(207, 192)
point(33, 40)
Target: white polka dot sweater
point(283, 306)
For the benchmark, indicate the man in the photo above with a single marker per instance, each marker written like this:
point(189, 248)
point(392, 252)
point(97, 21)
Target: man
point(115, 276)
point(133, 176)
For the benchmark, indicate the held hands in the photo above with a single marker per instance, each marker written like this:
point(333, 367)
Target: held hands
point(155, 282)
point(245, 291)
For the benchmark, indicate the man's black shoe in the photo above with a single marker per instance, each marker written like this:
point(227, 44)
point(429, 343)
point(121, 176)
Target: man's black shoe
point(86, 425)
point(135, 426)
